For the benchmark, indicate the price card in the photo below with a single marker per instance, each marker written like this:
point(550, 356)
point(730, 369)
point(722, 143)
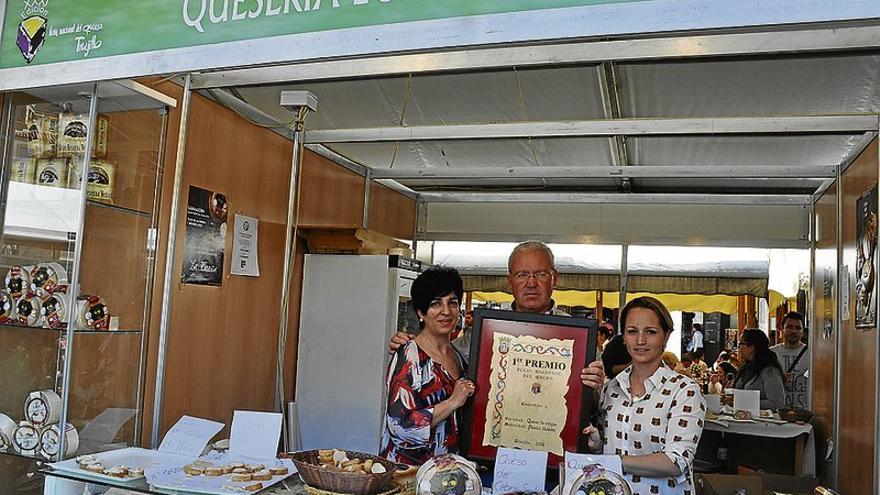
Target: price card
point(519, 470)
point(255, 434)
point(189, 436)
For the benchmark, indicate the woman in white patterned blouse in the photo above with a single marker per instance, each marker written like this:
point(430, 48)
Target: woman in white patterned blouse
point(650, 416)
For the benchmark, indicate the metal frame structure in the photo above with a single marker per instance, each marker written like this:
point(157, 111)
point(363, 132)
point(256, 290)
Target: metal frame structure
point(824, 124)
point(588, 52)
point(170, 263)
point(576, 23)
point(624, 34)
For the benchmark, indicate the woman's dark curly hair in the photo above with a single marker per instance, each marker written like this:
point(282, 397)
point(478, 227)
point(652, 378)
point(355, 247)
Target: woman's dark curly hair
point(435, 282)
point(762, 357)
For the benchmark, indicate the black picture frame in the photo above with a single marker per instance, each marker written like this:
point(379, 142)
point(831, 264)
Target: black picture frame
point(583, 330)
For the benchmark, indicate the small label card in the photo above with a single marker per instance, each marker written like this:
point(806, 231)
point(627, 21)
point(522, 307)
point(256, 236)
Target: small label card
point(255, 434)
point(189, 436)
point(519, 471)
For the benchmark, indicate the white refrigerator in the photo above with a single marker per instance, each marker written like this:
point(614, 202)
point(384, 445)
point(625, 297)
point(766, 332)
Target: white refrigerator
point(351, 306)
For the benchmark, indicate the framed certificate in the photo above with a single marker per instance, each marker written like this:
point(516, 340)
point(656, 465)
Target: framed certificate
point(529, 393)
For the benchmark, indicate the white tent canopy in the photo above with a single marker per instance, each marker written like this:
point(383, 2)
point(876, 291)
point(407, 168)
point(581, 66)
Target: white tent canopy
point(784, 269)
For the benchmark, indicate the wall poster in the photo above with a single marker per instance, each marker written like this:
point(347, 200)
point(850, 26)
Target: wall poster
point(866, 259)
point(205, 240)
point(529, 393)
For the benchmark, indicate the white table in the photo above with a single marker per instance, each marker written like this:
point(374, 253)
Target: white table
point(805, 446)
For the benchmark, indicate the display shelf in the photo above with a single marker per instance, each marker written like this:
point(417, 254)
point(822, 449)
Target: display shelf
point(120, 209)
point(290, 485)
point(64, 329)
point(99, 231)
point(11, 452)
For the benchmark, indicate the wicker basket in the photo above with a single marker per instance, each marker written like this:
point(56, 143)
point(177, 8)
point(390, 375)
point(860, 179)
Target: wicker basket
point(335, 481)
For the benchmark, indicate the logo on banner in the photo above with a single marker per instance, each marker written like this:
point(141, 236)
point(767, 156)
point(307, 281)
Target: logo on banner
point(32, 28)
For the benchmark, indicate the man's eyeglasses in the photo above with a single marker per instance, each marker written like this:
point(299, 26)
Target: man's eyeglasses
point(539, 276)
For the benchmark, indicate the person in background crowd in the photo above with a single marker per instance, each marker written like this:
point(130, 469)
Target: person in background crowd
point(684, 367)
point(699, 369)
point(531, 275)
point(615, 358)
point(606, 332)
point(649, 415)
point(462, 342)
point(794, 357)
point(723, 365)
point(425, 377)
point(670, 360)
point(760, 370)
point(696, 343)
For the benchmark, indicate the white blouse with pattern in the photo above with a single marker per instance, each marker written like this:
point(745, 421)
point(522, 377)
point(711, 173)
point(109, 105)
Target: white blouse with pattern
point(668, 418)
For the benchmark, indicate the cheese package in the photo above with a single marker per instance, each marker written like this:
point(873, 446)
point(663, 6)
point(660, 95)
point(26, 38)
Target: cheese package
point(47, 278)
point(445, 472)
point(18, 280)
point(101, 179)
point(42, 134)
point(73, 134)
point(27, 310)
point(24, 170)
point(92, 313)
point(53, 311)
point(52, 172)
point(7, 308)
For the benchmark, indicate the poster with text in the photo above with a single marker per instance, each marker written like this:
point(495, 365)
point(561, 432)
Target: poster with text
point(529, 394)
point(205, 240)
point(866, 262)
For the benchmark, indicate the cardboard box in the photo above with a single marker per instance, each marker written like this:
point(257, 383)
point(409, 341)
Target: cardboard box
point(759, 484)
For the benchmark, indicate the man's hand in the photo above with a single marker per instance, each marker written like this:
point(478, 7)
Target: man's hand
point(593, 375)
point(397, 340)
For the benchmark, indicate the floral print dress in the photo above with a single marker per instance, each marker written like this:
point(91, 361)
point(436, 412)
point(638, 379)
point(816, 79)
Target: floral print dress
point(415, 384)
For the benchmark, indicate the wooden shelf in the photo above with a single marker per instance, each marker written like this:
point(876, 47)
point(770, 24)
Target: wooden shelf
point(64, 329)
point(348, 240)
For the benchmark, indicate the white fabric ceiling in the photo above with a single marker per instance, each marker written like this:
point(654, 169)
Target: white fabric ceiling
point(734, 87)
point(491, 258)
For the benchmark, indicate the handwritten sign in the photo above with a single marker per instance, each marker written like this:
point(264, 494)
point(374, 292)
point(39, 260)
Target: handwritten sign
point(519, 470)
point(189, 436)
point(255, 434)
point(574, 464)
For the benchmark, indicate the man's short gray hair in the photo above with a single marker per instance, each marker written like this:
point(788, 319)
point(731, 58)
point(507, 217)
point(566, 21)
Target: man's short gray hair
point(531, 246)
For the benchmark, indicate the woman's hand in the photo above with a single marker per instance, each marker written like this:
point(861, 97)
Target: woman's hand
point(463, 389)
point(594, 441)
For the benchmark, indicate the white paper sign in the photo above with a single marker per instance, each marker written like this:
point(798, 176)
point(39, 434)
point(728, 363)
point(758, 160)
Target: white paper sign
point(189, 436)
point(747, 400)
point(255, 434)
point(245, 260)
point(519, 470)
point(574, 464)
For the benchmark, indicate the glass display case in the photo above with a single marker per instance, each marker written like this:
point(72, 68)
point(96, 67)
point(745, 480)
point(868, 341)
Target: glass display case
point(82, 172)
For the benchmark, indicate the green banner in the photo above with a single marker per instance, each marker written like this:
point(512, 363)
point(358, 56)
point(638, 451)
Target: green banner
point(47, 31)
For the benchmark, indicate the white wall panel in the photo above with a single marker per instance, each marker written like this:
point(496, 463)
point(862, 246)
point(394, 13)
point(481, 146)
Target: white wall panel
point(718, 225)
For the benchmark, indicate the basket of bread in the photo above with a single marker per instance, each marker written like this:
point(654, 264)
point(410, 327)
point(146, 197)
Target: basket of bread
point(344, 471)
